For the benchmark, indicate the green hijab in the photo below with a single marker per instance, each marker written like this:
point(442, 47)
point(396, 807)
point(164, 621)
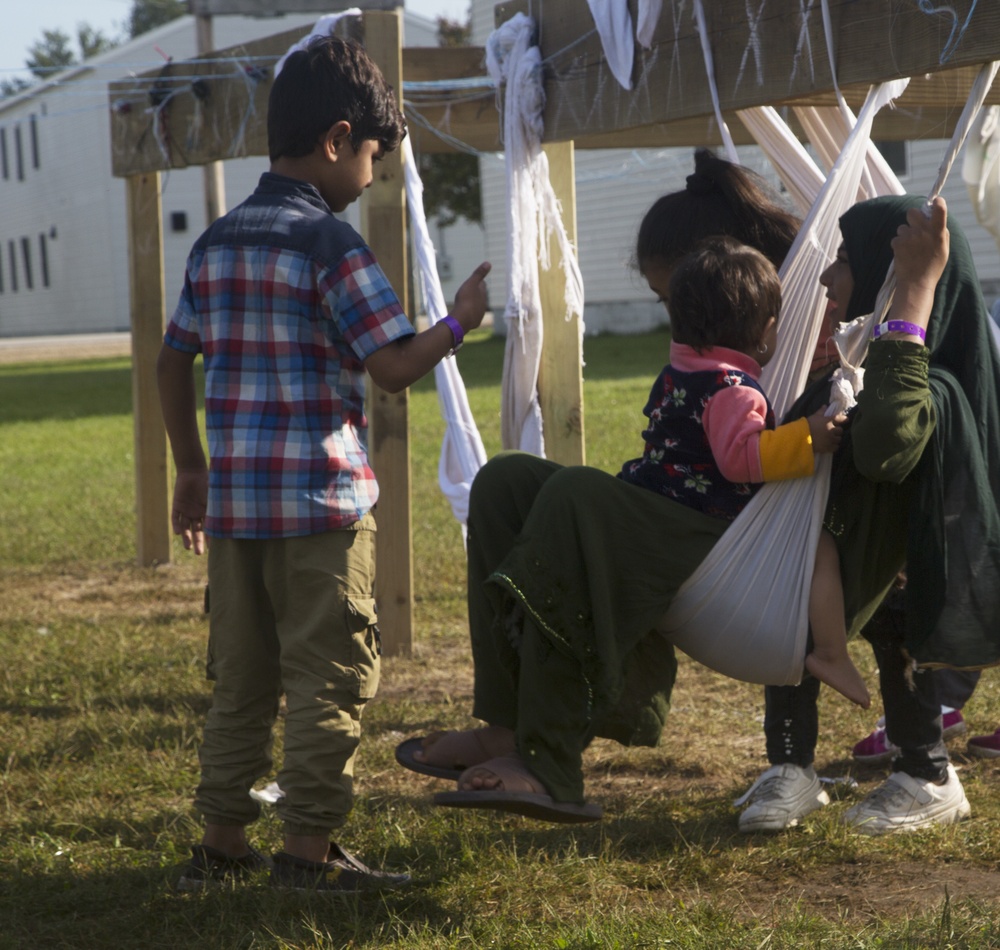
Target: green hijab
point(953, 542)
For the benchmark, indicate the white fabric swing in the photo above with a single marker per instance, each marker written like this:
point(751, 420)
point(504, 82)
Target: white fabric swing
point(744, 611)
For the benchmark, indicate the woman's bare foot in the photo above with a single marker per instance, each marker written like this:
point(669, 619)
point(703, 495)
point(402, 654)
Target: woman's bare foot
point(462, 749)
point(507, 772)
point(837, 670)
point(505, 784)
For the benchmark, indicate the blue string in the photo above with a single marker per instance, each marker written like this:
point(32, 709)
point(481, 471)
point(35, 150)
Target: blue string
point(951, 44)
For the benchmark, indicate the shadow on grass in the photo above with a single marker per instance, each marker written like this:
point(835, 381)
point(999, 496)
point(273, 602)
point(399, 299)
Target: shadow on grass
point(140, 907)
point(38, 711)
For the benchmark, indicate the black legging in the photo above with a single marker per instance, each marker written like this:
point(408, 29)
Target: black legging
point(912, 714)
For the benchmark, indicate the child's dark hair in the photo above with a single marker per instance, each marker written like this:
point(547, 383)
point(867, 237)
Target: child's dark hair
point(720, 198)
point(722, 294)
point(329, 81)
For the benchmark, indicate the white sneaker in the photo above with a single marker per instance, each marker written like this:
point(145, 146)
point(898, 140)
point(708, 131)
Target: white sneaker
point(782, 796)
point(904, 803)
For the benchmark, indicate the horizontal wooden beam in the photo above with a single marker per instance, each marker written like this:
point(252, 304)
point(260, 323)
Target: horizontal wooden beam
point(774, 54)
point(196, 111)
point(159, 121)
point(669, 106)
point(928, 109)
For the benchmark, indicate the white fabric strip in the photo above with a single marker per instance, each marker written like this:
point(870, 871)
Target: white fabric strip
point(981, 170)
point(706, 50)
point(325, 26)
point(533, 215)
point(462, 452)
point(647, 17)
point(614, 26)
point(853, 339)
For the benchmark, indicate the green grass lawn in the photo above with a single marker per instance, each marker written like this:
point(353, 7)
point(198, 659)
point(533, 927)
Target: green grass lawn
point(102, 696)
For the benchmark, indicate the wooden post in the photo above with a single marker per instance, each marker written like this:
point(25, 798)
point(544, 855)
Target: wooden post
point(560, 379)
point(148, 318)
point(384, 227)
point(212, 173)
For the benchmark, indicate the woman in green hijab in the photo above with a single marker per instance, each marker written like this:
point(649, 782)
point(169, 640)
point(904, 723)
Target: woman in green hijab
point(916, 482)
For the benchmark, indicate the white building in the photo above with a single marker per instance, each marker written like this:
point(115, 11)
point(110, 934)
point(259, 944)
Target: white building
point(63, 231)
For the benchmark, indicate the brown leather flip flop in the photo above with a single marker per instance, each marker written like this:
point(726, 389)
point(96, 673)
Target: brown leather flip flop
point(404, 756)
point(518, 796)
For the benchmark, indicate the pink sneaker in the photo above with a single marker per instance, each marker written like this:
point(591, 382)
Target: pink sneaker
point(988, 747)
point(876, 748)
point(952, 723)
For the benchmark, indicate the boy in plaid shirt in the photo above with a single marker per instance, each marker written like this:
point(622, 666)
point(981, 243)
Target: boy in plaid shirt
point(289, 308)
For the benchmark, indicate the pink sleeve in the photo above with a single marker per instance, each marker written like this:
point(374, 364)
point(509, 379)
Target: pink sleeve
point(733, 420)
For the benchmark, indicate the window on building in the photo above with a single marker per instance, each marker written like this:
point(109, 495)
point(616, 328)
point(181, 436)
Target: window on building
point(18, 153)
point(3, 154)
point(36, 161)
point(178, 221)
point(29, 271)
point(12, 259)
point(43, 258)
point(897, 154)
point(1, 274)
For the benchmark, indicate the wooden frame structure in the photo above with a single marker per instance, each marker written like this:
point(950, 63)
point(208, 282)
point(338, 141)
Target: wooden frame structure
point(777, 56)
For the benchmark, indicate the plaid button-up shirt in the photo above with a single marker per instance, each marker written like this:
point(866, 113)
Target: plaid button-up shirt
point(285, 302)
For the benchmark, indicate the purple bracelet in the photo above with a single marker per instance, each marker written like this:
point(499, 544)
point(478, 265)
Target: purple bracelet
point(457, 333)
point(899, 326)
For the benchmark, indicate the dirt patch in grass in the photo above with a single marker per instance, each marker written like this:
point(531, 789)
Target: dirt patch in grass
point(873, 890)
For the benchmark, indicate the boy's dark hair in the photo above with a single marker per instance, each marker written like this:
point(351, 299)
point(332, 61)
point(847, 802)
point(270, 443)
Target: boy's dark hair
point(722, 294)
point(329, 81)
point(720, 198)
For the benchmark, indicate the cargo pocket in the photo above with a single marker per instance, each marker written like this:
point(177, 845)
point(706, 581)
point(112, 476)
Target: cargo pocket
point(366, 646)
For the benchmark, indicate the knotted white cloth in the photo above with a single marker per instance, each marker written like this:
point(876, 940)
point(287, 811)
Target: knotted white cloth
point(533, 216)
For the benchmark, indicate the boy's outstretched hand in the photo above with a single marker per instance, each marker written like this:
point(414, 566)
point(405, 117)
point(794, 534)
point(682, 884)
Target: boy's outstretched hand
point(826, 431)
point(470, 298)
point(403, 362)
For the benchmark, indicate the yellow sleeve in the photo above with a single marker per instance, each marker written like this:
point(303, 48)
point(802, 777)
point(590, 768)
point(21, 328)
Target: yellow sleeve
point(786, 452)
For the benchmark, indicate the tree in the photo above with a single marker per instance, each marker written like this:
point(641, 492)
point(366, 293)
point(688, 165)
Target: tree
point(54, 52)
point(451, 187)
point(146, 15)
point(50, 54)
point(11, 87)
point(451, 180)
point(92, 42)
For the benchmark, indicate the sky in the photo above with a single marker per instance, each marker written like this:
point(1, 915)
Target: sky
point(24, 21)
